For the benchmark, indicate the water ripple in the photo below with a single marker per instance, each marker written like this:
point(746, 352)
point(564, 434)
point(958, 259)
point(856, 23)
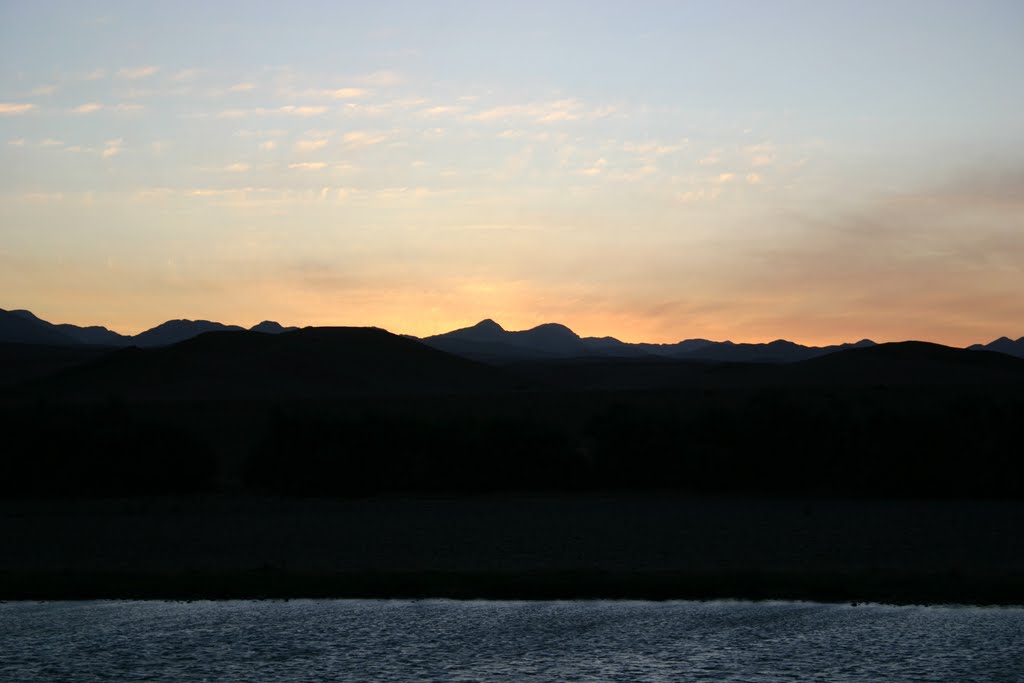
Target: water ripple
point(440, 640)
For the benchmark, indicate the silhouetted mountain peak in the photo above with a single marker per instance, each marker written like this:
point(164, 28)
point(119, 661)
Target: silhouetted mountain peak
point(68, 334)
point(21, 327)
point(174, 331)
point(28, 315)
point(1002, 345)
point(553, 330)
point(487, 340)
point(271, 327)
point(488, 325)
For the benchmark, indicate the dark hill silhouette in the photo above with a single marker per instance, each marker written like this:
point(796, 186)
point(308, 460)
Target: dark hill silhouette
point(70, 334)
point(610, 346)
point(24, 327)
point(24, 362)
point(174, 331)
point(359, 411)
point(910, 362)
point(778, 351)
point(895, 364)
point(17, 328)
point(271, 327)
point(488, 341)
point(308, 363)
point(1002, 345)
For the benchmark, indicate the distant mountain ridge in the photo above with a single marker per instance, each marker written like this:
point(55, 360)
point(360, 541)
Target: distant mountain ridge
point(490, 342)
point(1002, 345)
point(24, 327)
point(486, 341)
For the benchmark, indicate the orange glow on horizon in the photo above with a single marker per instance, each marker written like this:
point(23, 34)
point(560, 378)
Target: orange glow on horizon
point(425, 321)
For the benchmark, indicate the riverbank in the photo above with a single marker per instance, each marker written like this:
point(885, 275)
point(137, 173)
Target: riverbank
point(650, 547)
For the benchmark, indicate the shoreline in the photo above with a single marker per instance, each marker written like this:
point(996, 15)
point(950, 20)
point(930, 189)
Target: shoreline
point(522, 548)
point(1004, 591)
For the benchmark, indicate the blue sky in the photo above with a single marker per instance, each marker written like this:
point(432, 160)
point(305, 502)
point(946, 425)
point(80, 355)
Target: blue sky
point(653, 171)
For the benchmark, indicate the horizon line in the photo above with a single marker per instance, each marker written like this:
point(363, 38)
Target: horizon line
point(762, 340)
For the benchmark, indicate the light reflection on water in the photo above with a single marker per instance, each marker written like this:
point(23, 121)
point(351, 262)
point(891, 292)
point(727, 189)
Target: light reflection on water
point(439, 640)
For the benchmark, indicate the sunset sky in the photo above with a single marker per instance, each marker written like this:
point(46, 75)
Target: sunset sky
point(655, 171)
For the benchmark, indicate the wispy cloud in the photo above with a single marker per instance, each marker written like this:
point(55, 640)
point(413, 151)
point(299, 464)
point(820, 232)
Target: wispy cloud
point(308, 165)
point(88, 108)
point(546, 136)
point(596, 168)
point(290, 110)
point(761, 155)
point(186, 75)
point(112, 148)
point(16, 107)
point(359, 138)
point(380, 79)
point(555, 111)
point(335, 93)
point(699, 195)
point(303, 110)
point(51, 142)
point(652, 149)
point(267, 145)
point(311, 145)
point(238, 167)
point(40, 90)
point(137, 73)
point(242, 87)
point(442, 110)
point(261, 133)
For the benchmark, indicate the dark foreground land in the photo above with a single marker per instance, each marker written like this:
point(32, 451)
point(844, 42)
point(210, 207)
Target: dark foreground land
point(351, 462)
point(640, 547)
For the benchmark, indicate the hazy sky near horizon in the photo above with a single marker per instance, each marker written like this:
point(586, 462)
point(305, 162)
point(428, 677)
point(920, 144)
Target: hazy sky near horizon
point(820, 171)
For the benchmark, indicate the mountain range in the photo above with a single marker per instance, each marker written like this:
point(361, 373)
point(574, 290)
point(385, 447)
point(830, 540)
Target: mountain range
point(314, 362)
point(487, 341)
point(24, 327)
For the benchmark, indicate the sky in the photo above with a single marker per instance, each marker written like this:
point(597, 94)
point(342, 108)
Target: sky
point(654, 171)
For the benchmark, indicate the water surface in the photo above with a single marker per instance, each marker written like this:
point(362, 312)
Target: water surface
point(438, 640)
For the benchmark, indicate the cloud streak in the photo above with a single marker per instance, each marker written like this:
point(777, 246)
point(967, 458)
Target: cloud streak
point(13, 108)
point(361, 138)
point(137, 73)
point(112, 148)
point(550, 112)
point(287, 110)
